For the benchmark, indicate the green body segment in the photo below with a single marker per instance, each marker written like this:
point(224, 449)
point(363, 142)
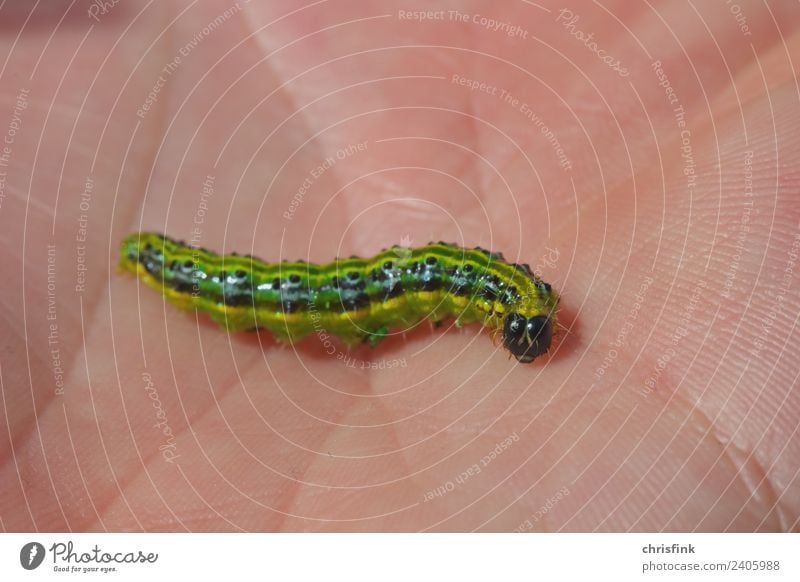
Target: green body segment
point(355, 299)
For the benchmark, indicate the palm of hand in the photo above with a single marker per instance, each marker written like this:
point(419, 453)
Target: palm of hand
point(662, 407)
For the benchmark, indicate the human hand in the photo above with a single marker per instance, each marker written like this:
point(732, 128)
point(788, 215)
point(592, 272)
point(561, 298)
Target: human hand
point(667, 220)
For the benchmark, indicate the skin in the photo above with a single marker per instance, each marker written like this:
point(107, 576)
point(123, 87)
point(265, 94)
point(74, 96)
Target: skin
point(667, 400)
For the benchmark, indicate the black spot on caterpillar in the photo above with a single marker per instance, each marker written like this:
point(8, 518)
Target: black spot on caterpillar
point(355, 299)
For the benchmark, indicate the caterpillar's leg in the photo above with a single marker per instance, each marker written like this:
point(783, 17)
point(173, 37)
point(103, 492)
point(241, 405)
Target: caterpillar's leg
point(233, 321)
point(374, 338)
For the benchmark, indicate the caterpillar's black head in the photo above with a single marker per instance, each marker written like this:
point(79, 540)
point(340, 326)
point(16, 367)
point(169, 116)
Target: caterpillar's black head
point(527, 338)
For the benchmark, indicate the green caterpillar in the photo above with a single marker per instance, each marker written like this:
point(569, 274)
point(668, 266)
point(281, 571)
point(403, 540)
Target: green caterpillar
point(355, 299)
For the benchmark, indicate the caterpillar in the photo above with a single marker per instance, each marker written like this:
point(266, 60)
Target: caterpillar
point(358, 300)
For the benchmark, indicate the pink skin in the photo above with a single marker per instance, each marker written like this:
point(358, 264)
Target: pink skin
point(679, 425)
